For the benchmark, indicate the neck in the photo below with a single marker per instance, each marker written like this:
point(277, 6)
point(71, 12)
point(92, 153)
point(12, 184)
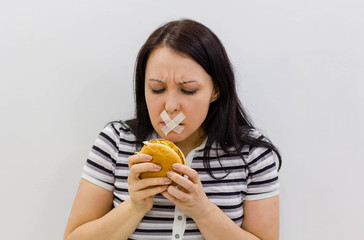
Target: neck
point(191, 142)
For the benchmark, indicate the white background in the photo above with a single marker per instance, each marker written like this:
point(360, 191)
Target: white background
point(66, 69)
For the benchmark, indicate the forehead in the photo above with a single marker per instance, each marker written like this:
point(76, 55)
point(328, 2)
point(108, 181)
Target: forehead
point(165, 62)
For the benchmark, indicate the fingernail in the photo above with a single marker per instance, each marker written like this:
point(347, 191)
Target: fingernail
point(148, 157)
point(157, 167)
point(169, 173)
point(175, 165)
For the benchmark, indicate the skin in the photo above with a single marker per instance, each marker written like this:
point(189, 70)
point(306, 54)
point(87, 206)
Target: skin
point(176, 83)
point(170, 79)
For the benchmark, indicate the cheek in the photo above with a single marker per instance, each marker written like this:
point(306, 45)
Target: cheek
point(198, 110)
point(154, 108)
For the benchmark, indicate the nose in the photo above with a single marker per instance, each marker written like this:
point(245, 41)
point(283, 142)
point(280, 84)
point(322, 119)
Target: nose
point(172, 104)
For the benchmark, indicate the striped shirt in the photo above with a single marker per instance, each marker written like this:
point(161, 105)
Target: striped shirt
point(254, 178)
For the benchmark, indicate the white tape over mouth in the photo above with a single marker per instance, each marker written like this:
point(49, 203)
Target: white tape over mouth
point(172, 124)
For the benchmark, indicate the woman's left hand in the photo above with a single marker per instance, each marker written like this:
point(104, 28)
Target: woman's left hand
point(188, 195)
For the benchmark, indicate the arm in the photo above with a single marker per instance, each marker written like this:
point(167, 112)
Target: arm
point(215, 224)
point(261, 217)
point(92, 216)
point(91, 212)
point(261, 220)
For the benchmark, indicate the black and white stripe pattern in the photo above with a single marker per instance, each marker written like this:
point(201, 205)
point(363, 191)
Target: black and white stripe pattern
point(107, 166)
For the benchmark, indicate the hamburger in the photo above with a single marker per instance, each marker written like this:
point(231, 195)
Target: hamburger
point(164, 153)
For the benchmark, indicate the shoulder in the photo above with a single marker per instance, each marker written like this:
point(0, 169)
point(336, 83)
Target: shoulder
point(252, 137)
point(117, 132)
point(257, 135)
point(262, 164)
point(258, 149)
point(118, 128)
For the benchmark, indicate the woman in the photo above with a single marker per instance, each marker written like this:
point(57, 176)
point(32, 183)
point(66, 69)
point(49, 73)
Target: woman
point(231, 186)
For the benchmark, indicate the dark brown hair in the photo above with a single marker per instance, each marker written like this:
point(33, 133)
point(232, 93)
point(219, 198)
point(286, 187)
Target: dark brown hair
point(226, 123)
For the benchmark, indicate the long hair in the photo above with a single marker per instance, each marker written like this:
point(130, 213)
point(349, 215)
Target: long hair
point(226, 122)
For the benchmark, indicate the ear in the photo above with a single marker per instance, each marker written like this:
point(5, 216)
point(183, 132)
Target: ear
point(215, 95)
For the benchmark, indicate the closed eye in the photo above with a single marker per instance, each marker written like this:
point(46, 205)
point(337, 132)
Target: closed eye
point(189, 92)
point(158, 91)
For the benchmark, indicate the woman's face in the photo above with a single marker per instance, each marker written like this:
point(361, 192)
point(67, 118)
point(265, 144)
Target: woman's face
point(178, 84)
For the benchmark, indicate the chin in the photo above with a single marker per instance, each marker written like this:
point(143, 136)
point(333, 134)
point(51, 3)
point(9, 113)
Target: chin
point(174, 137)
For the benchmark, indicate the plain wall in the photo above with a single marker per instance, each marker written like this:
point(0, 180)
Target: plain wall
point(66, 69)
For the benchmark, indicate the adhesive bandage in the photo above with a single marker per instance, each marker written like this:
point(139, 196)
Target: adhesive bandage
point(172, 124)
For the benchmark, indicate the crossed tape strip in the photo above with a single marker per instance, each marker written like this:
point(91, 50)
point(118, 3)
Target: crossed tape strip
point(172, 124)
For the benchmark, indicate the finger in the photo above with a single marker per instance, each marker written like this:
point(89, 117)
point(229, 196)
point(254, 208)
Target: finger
point(139, 158)
point(137, 169)
point(181, 181)
point(178, 195)
point(191, 173)
point(170, 197)
point(149, 192)
point(148, 183)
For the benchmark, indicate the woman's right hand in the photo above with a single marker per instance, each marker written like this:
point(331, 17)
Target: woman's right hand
point(142, 191)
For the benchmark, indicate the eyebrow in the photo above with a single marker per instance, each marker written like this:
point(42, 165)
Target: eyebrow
point(186, 82)
point(181, 83)
point(154, 80)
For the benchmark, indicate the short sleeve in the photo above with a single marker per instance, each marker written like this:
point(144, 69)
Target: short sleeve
point(263, 174)
point(101, 161)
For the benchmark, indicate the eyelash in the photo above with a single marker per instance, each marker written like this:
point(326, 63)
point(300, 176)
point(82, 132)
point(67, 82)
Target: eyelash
point(184, 91)
point(189, 92)
point(157, 91)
